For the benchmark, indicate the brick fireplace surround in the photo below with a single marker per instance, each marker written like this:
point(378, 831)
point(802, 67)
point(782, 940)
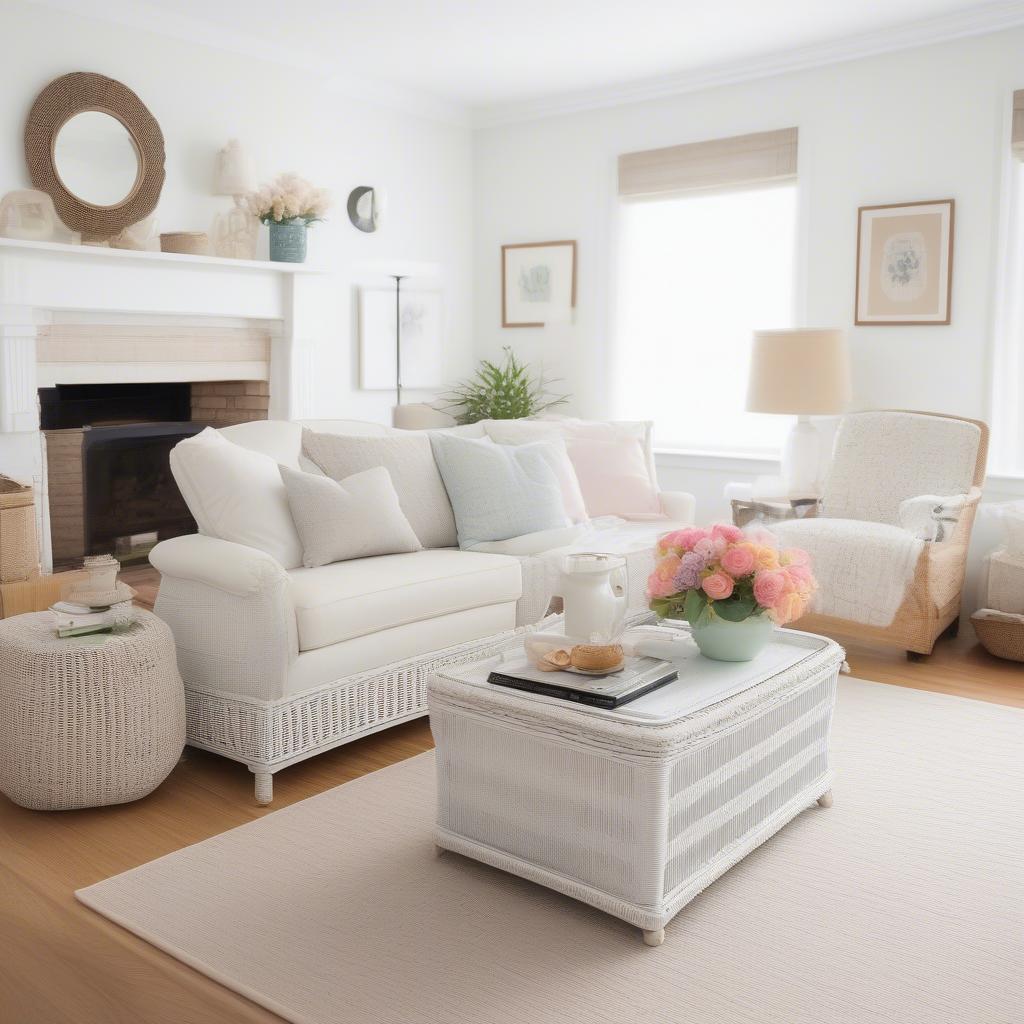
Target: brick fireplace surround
point(243, 333)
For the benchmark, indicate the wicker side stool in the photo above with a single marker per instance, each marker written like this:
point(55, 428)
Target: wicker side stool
point(87, 724)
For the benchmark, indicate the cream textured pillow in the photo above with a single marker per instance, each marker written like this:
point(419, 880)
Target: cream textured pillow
point(517, 432)
point(414, 475)
point(236, 494)
point(352, 518)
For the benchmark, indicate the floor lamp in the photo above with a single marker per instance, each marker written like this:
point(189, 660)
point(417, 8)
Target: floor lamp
point(803, 372)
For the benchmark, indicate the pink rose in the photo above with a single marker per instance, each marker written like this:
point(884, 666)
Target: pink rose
point(658, 587)
point(728, 532)
point(769, 587)
point(738, 560)
point(705, 547)
point(796, 556)
point(668, 567)
point(789, 609)
point(718, 586)
point(688, 537)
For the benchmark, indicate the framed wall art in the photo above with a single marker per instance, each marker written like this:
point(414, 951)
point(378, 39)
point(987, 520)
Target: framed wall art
point(538, 283)
point(904, 263)
point(422, 330)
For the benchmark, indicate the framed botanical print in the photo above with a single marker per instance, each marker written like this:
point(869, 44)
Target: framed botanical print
point(904, 263)
point(422, 316)
point(538, 283)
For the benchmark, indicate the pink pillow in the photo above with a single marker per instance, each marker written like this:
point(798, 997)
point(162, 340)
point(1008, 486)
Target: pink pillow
point(613, 476)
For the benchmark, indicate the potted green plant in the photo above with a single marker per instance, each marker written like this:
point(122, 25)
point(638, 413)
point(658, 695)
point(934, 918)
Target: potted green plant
point(505, 391)
point(288, 206)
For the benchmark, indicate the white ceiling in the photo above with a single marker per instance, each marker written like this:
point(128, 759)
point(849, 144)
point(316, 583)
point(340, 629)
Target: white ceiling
point(482, 53)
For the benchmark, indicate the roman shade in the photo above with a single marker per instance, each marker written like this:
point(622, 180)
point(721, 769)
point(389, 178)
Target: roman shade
point(1017, 131)
point(759, 158)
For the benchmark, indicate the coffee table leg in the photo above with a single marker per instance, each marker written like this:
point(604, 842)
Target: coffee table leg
point(825, 800)
point(654, 938)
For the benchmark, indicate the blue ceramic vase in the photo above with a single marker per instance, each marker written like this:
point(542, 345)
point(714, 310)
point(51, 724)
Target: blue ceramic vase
point(722, 640)
point(288, 240)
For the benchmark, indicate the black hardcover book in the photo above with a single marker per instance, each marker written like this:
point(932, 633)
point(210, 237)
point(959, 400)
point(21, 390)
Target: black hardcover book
point(609, 690)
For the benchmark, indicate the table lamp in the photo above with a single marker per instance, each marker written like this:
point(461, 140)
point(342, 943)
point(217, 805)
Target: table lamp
point(803, 372)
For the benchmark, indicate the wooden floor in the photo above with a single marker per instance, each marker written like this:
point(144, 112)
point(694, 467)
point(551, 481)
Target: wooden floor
point(62, 964)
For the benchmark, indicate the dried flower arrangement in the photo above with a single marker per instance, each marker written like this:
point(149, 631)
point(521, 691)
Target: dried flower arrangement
point(287, 199)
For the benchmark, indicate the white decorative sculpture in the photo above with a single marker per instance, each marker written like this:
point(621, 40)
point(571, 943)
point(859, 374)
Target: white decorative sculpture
point(29, 214)
point(234, 233)
point(139, 236)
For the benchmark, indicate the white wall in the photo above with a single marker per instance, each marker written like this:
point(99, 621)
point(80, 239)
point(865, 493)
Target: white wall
point(201, 97)
point(914, 125)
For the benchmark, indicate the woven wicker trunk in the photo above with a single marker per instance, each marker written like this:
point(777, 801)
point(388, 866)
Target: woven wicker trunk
point(19, 558)
point(632, 812)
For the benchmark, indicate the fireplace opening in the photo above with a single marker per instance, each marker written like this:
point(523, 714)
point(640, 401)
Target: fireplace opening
point(110, 486)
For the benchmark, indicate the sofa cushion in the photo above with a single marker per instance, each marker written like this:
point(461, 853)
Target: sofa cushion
point(353, 518)
point(236, 494)
point(406, 455)
point(499, 491)
point(349, 599)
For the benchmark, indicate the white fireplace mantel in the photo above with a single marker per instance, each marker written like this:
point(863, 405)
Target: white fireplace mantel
point(41, 281)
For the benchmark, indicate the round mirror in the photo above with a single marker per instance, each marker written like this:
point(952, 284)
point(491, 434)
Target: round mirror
point(96, 159)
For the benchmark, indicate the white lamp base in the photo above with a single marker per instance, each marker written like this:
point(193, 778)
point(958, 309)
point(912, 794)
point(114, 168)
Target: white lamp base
point(801, 458)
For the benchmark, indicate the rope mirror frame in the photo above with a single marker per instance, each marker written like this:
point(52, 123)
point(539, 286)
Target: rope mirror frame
point(77, 93)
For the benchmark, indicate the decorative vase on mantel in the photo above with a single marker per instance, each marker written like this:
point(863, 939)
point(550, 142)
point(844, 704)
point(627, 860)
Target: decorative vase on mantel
point(288, 240)
point(288, 206)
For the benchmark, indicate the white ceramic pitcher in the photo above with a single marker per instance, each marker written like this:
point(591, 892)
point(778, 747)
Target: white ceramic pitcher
point(593, 593)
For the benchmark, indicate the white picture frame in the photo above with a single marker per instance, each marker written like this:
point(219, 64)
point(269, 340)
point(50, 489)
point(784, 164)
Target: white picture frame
point(538, 283)
point(422, 334)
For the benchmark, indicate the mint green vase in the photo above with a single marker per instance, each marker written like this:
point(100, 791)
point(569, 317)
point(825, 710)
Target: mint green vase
point(733, 641)
point(288, 240)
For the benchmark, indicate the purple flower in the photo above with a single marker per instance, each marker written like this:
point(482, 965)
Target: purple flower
point(688, 575)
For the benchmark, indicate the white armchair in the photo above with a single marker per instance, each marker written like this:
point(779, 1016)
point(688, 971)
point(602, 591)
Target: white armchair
point(881, 460)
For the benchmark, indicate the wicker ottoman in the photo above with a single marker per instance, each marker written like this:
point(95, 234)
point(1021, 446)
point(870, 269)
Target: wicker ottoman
point(84, 724)
point(635, 811)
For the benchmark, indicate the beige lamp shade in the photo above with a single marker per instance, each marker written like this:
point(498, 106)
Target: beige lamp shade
point(802, 372)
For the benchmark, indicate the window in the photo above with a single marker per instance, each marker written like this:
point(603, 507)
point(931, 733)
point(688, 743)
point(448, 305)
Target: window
point(699, 271)
point(1008, 364)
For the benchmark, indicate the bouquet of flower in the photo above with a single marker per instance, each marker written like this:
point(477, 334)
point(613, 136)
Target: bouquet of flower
point(726, 572)
point(288, 198)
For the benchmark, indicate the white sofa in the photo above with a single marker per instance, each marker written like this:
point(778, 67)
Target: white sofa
point(283, 664)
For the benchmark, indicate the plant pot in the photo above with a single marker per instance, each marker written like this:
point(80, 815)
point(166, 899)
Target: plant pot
point(722, 640)
point(288, 240)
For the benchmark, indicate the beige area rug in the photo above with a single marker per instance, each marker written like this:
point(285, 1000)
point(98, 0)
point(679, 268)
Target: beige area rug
point(903, 903)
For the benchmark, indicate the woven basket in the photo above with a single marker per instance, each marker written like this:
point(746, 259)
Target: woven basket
point(1001, 638)
point(19, 559)
point(192, 243)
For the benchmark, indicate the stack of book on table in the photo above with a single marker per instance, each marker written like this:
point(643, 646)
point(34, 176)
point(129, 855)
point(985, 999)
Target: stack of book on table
point(99, 603)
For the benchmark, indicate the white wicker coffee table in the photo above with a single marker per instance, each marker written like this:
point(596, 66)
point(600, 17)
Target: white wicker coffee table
point(636, 810)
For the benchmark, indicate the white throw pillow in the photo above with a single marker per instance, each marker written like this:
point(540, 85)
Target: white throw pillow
point(236, 494)
point(516, 432)
point(407, 456)
point(499, 491)
point(352, 518)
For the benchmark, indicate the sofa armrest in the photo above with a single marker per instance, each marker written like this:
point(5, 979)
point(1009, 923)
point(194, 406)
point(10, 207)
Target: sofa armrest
point(230, 609)
point(221, 564)
point(679, 505)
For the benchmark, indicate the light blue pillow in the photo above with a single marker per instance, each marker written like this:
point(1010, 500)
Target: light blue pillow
point(498, 491)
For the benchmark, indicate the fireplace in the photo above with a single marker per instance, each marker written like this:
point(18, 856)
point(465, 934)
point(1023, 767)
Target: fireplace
point(108, 449)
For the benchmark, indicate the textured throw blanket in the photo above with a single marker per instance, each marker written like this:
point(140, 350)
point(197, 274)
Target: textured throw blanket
point(863, 569)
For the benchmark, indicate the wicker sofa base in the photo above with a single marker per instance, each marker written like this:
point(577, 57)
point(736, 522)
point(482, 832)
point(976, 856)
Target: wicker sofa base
point(267, 736)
